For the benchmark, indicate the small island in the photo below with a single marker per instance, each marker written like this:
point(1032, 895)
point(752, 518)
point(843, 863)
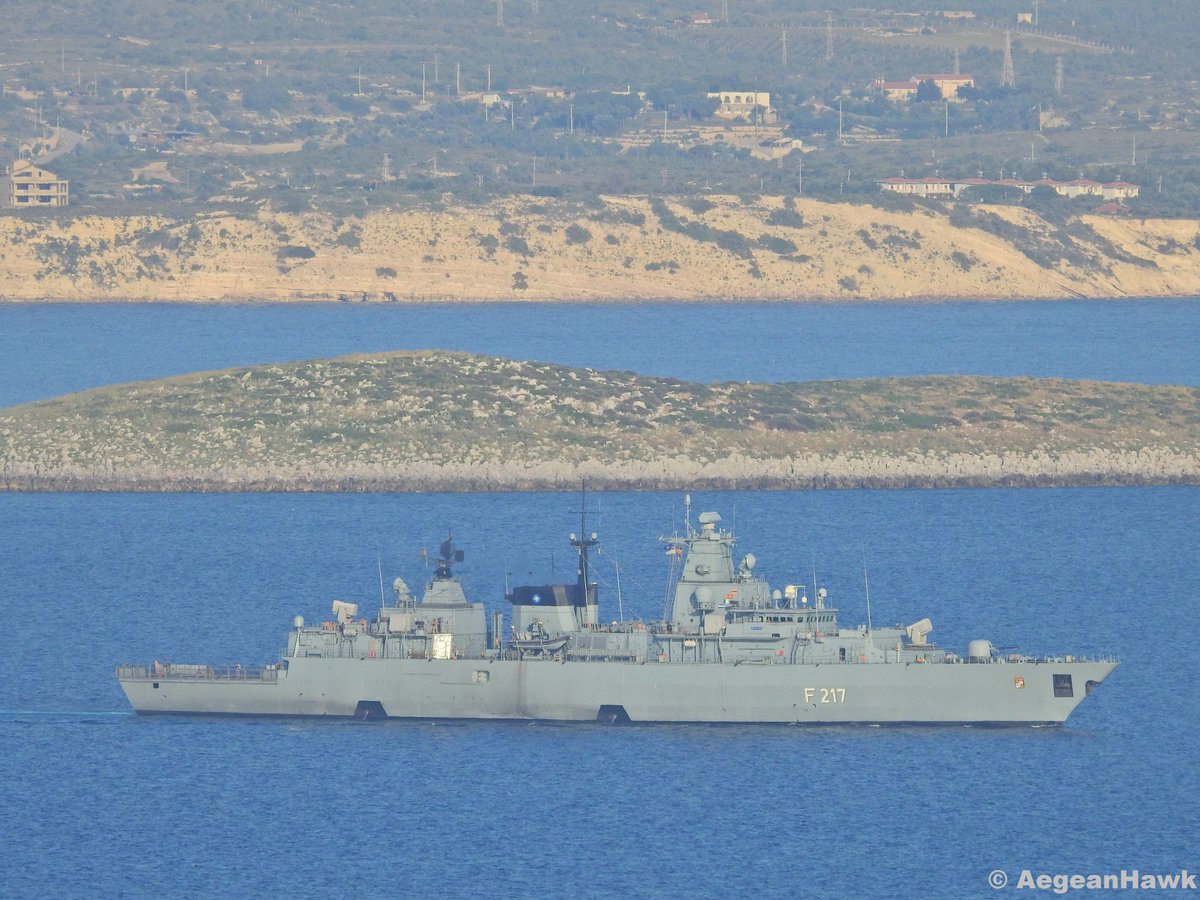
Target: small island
point(448, 421)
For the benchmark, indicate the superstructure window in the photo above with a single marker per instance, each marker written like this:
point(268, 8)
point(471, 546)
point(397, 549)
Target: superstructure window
point(1063, 686)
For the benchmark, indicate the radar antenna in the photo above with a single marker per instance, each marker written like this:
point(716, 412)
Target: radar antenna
point(447, 556)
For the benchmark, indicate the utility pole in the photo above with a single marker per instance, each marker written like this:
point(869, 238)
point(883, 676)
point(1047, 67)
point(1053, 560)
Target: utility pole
point(422, 82)
point(1058, 76)
point(783, 47)
point(359, 76)
point(571, 118)
point(499, 13)
point(829, 37)
point(489, 77)
point(800, 178)
point(457, 79)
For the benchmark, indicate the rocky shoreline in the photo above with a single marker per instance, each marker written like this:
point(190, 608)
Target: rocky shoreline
point(441, 421)
point(466, 483)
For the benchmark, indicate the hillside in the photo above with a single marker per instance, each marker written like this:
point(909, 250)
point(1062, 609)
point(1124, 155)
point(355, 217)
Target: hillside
point(450, 421)
point(612, 249)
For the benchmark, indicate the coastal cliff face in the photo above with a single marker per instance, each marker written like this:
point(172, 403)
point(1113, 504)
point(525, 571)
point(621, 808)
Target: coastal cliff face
point(458, 422)
point(616, 248)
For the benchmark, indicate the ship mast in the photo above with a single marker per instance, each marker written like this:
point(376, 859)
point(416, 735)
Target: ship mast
point(582, 543)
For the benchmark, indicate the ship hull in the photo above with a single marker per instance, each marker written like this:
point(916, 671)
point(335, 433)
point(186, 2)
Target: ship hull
point(1018, 693)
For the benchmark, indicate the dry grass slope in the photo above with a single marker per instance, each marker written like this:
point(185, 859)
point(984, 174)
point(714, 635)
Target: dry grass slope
point(616, 248)
point(451, 421)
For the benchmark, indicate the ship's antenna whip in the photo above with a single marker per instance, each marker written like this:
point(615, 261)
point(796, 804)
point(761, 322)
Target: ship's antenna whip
point(867, 588)
point(379, 567)
point(813, 560)
point(620, 603)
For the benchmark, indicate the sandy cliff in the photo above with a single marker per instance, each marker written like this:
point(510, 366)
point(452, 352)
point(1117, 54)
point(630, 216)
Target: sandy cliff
point(620, 248)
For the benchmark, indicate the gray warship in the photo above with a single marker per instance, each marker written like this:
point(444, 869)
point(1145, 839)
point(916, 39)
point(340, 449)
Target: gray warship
point(732, 649)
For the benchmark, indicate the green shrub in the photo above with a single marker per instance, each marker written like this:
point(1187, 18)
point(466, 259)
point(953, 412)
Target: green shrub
point(782, 246)
point(292, 251)
point(785, 218)
point(577, 234)
point(516, 244)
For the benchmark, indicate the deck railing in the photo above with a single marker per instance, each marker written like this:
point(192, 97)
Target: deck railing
point(189, 672)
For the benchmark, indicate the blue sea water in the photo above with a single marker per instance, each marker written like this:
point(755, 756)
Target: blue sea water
point(51, 349)
point(96, 802)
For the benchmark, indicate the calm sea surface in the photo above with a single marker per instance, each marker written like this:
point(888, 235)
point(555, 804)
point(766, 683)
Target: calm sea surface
point(51, 349)
point(97, 802)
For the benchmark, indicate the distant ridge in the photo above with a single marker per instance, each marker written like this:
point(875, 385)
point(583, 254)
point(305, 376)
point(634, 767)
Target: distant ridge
point(436, 420)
